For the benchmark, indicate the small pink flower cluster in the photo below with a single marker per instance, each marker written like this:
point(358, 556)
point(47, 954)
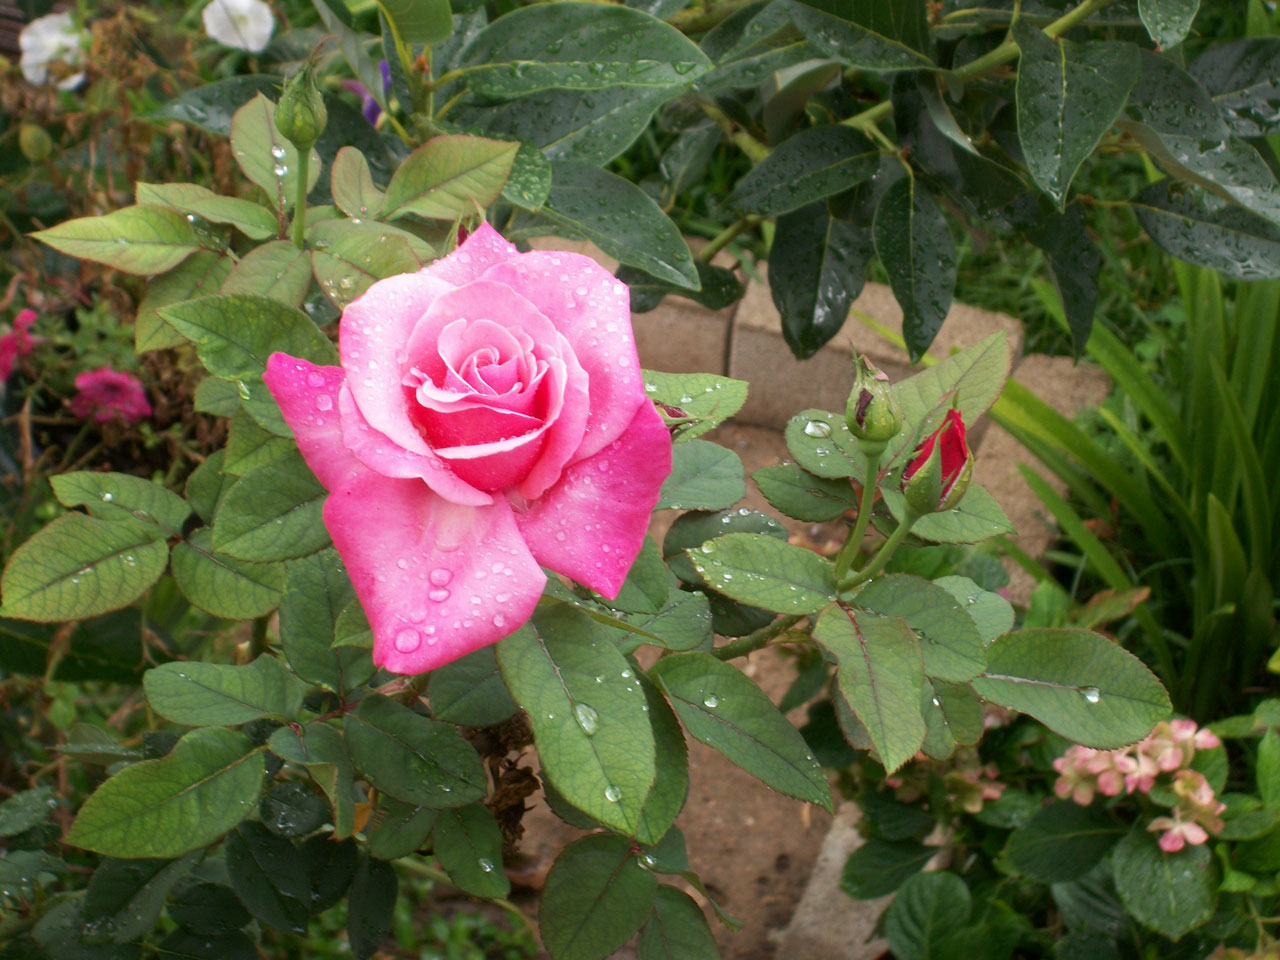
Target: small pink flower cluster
point(105, 395)
point(969, 783)
point(970, 786)
point(1083, 772)
point(17, 343)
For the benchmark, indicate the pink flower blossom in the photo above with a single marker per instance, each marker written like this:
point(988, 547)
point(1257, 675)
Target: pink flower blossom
point(1178, 832)
point(16, 343)
point(105, 394)
point(488, 419)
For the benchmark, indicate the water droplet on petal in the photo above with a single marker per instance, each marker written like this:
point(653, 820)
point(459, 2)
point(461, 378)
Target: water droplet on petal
point(407, 640)
point(440, 577)
point(439, 595)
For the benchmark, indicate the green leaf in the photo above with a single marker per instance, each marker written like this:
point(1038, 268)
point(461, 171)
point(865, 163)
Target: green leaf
point(277, 270)
point(206, 484)
point(185, 945)
point(795, 492)
point(79, 566)
point(412, 758)
point(265, 156)
point(120, 496)
point(529, 183)
point(292, 809)
point(1268, 769)
point(352, 185)
point(269, 877)
point(316, 592)
point(597, 895)
point(977, 517)
point(210, 106)
point(587, 712)
point(250, 445)
point(323, 753)
point(1172, 893)
point(818, 265)
point(821, 443)
point(671, 762)
point(142, 240)
point(224, 586)
point(449, 177)
point(418, 21)
point(723, 709)
point(869, 34)
point(619, 218)
point(1068, 95)
point(645, 589)
point(880, 673)
point(1168, 21)
point(25, 809)
point(1062, 842)
point(577, 46)
point(766, 572)
point(1201, 229)
point(234, 335)
point(810, 166)
point(352, 628)
point(398, 829)
point(200, 274)
point(251, 219)
point(348, 257)
point(878, 867)
point(1240, 77)
point(178, 803)
point(468, 844)
point(913, 242)
point(704, 476)
point(693, 529)
point(927, 908)
point(207, 909)
point(683, 623)
point(706, 398)
point(990, 612)
point(951, 643)
point(125, 897)
point(198, 694)
point(372, 906)
point(677, 930)
point(470, 692)
point(272, 513)
point(719, 288)
point(1077, 683)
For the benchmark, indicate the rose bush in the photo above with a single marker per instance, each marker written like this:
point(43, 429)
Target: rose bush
point(488, 418)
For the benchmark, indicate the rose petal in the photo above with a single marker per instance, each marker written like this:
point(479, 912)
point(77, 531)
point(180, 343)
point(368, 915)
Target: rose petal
point(478, 253)
point(380, 454)
point(437, 579)
point(591, 524)
point(593, 311)
point(308, 399)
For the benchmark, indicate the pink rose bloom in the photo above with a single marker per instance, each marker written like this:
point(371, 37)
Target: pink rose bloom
point(105, 394)
point(488, 418)
point(16, 343)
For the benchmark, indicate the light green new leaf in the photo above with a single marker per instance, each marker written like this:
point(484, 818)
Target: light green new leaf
point(265, 156)
point(579, 46)
point(199, 275)
point(120, 496)
point(1068, 95)
point(449, 177)
point(951, 643)
point(198, 694)
point(587, 711)
point(224, 586)
point(79, 566)
point(880, 673)
point(207, 784)
point(352, 185)
point(704, 476)
point(251, 219)
point(278, 270)
point(412, 758)
point(723, 709)
point(766, 572)
point(348, 258)
point(142, 240)
point(706, 398)
point(1077, 683)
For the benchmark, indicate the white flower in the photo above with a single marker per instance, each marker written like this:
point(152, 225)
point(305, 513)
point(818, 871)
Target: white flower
point(243, 24)
point(50, 39)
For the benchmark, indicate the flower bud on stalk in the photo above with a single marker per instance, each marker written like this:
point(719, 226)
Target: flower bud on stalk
point(872, 413)
point(301, 115)
point(938, 474)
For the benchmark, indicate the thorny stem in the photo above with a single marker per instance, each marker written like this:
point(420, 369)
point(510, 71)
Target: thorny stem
point(299, 228)
point(844, 559)
point(754, 641)
point(887, 549)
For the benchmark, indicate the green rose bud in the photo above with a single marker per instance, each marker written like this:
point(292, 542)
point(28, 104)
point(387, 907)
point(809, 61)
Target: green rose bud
point(872, 413)
point(34, 142)
point(301, 114)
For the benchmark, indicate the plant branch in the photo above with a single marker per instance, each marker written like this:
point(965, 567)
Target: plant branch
point(299, 228)
point(889, 546)
point(726, 236)
point(844, 559)
point(759, 638)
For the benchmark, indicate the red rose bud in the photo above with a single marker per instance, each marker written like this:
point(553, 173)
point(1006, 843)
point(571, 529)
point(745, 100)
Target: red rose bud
point(940, 468)
point(872, 413)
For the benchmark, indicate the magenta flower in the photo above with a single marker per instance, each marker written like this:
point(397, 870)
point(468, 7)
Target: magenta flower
point(16, 343)
point(105, 394)
point(368, 103)
point(489, 418)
